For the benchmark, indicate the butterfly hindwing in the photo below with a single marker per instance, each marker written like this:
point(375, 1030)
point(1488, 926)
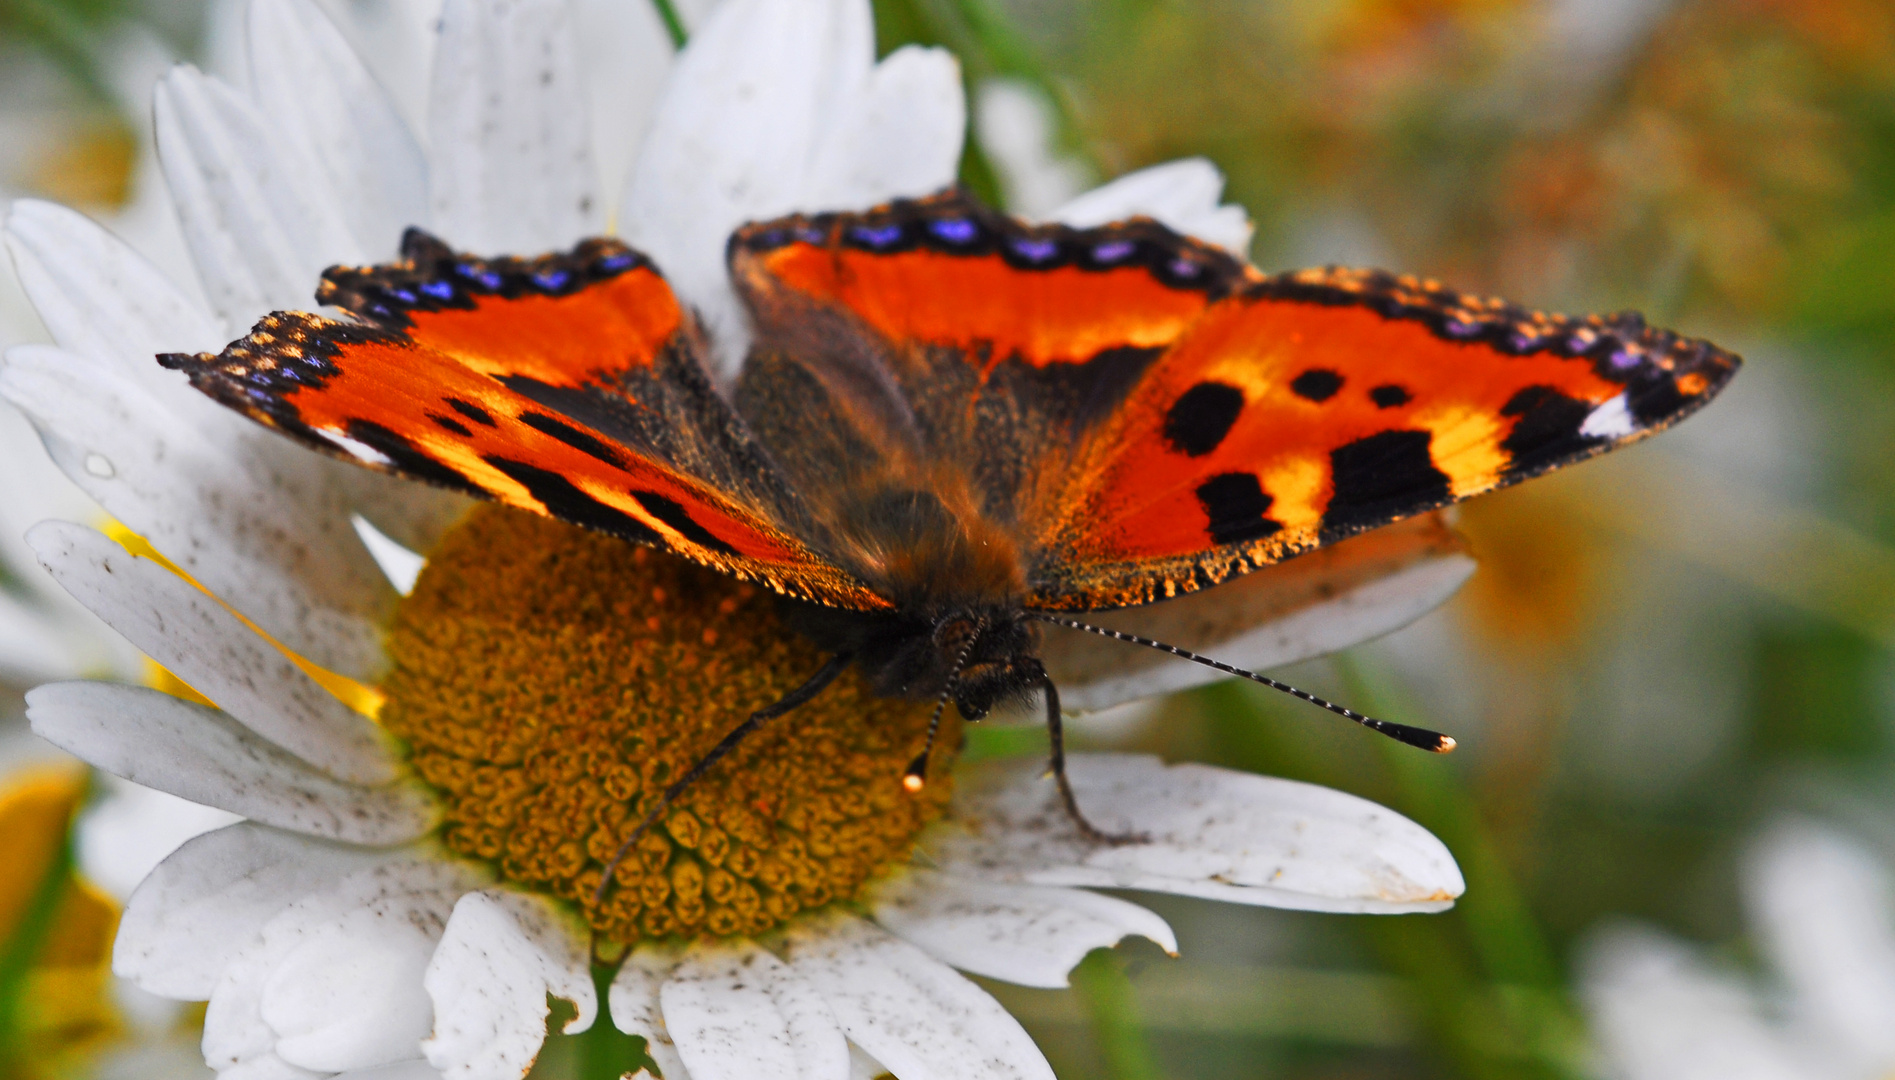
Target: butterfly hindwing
point(567, 385)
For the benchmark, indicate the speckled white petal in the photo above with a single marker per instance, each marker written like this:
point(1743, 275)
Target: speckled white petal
point(1822, 907)
point(267, 529)
point(625, 54)
point(203, 755)
point(732, 140)
point(1182, 194)
point(635, 1008)
point(1211, 832)
point(1659, 1012)
point(101, 299)
point(510, 148)
point(504, 952)
point(914, 1014)
point(899, 136)
point(344, 126)
point(201, 642)
point(1096, 673)
point(204, 904)
point(1030, 935)
point(334, 980)
point(260, 224)
point(739, 1013)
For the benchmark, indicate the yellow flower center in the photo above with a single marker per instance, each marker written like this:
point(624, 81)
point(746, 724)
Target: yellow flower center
point(551, 682)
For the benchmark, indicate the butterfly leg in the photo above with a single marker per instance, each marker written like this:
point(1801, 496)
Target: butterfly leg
point(815, 685)
point(1056, 733)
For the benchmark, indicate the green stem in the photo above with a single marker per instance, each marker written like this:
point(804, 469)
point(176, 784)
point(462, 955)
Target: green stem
point(674, 25)
point(603, 1051)
point(17, 956)
point(1107, 996)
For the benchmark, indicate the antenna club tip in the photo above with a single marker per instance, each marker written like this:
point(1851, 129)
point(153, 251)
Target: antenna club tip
point(1446, 745)
point(913, 783)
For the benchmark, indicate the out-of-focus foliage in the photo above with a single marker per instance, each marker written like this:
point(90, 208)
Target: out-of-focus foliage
point(1662, 650)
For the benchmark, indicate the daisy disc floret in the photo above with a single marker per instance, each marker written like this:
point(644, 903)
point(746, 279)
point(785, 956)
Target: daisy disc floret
point(551, 683)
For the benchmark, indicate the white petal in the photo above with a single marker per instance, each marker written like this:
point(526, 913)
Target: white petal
point(625, 53)
point(334, 981)
point(510, 149)
point(1660, 1013)
point(738, 1013)
point(1211, 832)
point(1823, 908)
point(344, 126)
point(1181, 194)
point(208, 900)
point(201, 642)
point(101, 299)
point(733, 138)
point(504, 952)
point(1015, 125)
point(863, 1066)
point(634, 1003)
point(129, 829)
point(1031, 935)
point(1314, 604)
point(402, 565)
point(913, 1013)
point(899, 136)
point(202, 755)
point(261, 225)
point(265, 530)
point(413, 1069)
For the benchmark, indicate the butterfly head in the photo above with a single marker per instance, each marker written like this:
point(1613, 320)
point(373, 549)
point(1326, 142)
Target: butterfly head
point(978, 655)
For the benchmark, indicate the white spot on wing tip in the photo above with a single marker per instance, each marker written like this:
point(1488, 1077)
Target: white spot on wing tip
point(1612, 420)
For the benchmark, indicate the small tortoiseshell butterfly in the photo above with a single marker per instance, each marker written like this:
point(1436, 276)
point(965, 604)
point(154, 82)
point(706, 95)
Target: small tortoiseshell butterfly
point(953, 425)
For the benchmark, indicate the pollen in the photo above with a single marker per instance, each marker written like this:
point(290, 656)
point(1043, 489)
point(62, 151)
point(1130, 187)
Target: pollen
point(551, 682)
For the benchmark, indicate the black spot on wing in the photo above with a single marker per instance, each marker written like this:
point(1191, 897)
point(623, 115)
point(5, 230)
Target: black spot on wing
point(1317, 384)
point(674, 515)
point(407, 458)
point(1200, 419)
point(1236, 504)
point(579, 440)
point(1389, 395)
point(1380, 478)
point(472, 411)
point(450, 424)
point(566, 501)
point(1546, 431)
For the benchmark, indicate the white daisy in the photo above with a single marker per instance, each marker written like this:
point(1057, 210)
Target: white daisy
point(360, 919)
point(1821, 911)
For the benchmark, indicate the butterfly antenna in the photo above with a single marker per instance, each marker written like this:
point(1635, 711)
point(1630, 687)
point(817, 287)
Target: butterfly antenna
point(915, 776)
point(1402, 733)
point(815, 684)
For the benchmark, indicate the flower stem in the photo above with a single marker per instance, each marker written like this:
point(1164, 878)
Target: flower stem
point(1106, 995)
point(674, 25)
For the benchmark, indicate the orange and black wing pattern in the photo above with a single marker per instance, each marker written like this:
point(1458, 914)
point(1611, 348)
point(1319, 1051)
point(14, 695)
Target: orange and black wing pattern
point(1311, 406)
point(1146, 416)
point(568, 385)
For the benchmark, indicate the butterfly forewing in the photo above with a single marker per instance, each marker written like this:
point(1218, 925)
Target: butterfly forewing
point(567, 385)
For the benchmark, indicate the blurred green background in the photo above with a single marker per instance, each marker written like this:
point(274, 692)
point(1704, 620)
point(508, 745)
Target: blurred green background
point(1661, 651)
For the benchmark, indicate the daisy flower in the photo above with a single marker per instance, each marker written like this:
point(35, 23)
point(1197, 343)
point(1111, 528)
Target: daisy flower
point(1820, 905)
point(432, 785)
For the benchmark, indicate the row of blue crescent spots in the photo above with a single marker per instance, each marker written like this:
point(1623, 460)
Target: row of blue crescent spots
point(954, 224)
point(433, 277)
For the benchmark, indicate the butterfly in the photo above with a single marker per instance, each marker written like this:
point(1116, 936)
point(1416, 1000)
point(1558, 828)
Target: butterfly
point(955, 427)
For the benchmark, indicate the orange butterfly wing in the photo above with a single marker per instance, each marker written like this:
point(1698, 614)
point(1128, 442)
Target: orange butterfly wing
point(1312, 406)
point(568, 385)
point(1147, 416)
